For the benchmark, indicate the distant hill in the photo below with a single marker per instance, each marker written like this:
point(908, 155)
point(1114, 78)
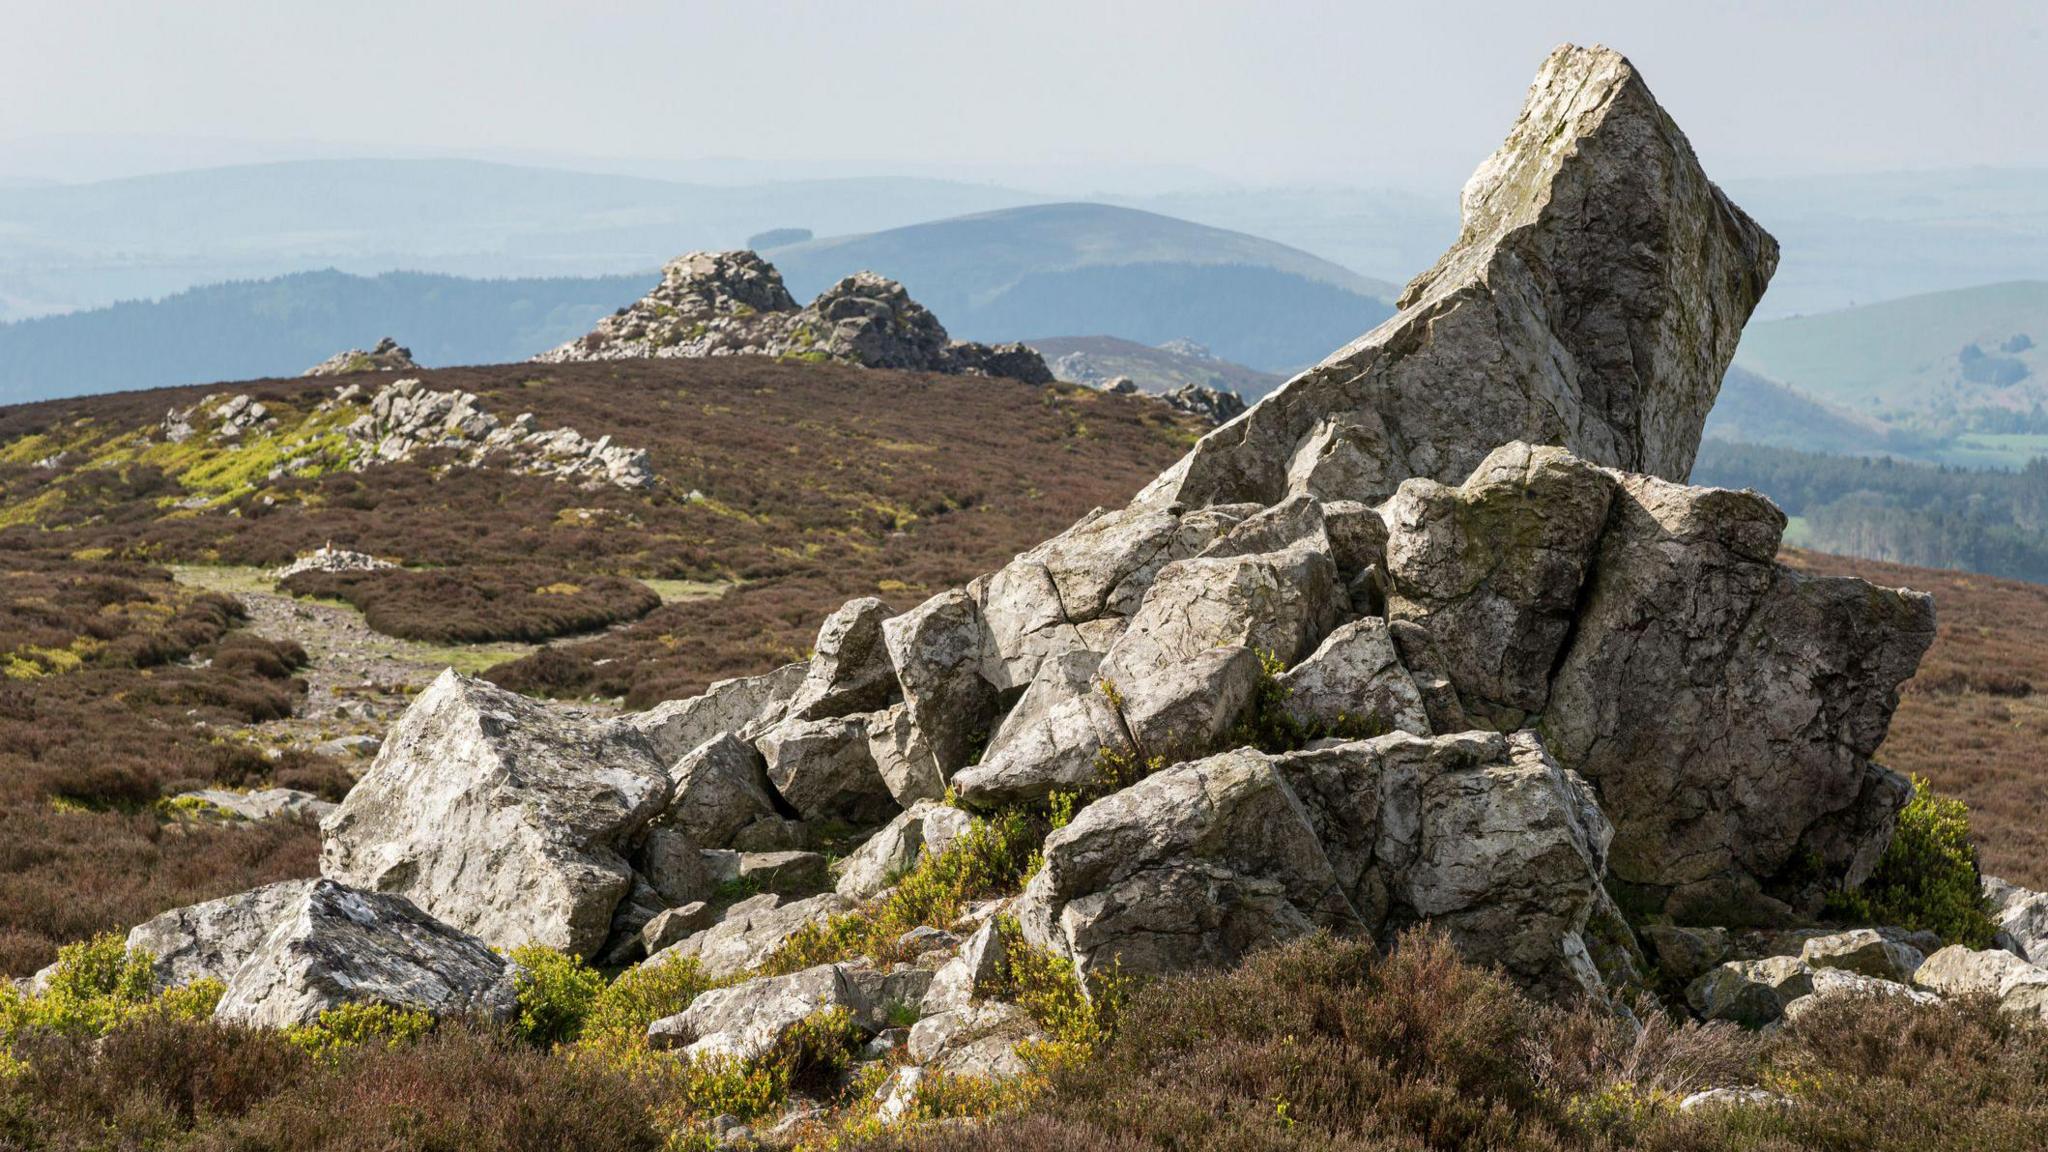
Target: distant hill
point(1912, 355)
point(78, 246)
point(280, 327)
point(1094, 359)
point(1755, 410)
point(1048, 270)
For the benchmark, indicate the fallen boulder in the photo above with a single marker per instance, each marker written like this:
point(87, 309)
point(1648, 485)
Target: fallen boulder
point(502, 817)
point(333, 945)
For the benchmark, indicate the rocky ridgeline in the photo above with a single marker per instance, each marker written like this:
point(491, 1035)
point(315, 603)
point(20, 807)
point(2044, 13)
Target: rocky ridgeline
point(1212, 404)
point(328, 558)
point(387, 356)
point(734, 304)
point(1435, 633)
point(406, 418)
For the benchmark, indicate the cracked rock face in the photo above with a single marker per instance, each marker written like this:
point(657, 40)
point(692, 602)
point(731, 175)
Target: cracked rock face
point(333, 945)
point(1592, 301)
point(1481, 834)
point(1727, 708)
point(500, 816)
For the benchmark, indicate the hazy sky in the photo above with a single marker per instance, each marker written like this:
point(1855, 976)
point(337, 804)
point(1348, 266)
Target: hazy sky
point(1410, 93)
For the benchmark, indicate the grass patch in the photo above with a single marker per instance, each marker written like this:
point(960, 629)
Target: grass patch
point(992, 858)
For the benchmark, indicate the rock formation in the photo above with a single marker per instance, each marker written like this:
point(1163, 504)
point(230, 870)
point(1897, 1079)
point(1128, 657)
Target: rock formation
point(387, 356)
point(1436, 633)
point(406, 419)
point(734, 304)
point(1592, 301)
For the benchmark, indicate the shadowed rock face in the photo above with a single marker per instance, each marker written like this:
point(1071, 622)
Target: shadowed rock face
point(1592, 301)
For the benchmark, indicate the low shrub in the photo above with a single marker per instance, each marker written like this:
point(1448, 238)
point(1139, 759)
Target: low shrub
point(1928, 878)
point(556, 994)
point(992, 858)
point(478, 604)
point(347, 1026)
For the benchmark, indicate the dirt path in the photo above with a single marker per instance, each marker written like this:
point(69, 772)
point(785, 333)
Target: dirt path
point(357, 680)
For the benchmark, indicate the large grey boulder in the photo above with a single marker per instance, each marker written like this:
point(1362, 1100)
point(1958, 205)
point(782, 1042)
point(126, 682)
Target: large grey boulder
point(1479, 833)
point(334, 945)
point(2022, 918)
point(939, 650)
point(850, 670)
point(1354, 684)
point(2017, 986)
point(1727, 708)
point(745, 1021)
point(824, 769)
point(1075, 591)
point(674, 727)
point(751, 931)
point(210, 941)
point(1593, 301)
point(720, 787)
point(909, 770)
point(504, 818)
point(1053, 740)
point(1492, 569)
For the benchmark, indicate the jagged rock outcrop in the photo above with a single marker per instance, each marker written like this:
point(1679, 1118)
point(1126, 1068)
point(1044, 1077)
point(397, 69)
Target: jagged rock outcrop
point(735, 304)
point(1469, 528)
point(328, 558)
point(1592, 301)
point(211, 941)
point(1726, 707)
point(746, 1020)
point(334, 945)
point(1481, 834)
point(387, 356)
point(500, 816)
point(405, 419)
point(262, 804)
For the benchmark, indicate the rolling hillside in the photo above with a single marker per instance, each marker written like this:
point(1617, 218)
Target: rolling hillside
point(1048, 270)
point(1911, 357)
point(280, 327)
point(86, 245)
point(884, 483)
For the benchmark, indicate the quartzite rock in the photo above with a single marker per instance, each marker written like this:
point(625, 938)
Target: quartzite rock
point(675, 727)
point(1593, 301)
point(210, 941)
point(900, 754)
point(2017, 986)
point(850, 670)
point(1354, 685)
point(720, 788)
point(502, 817)
point(334, 945)
point(824, 770)
point(939, 649)
point(751, 931)
point(1725, 707)
point(1492, 568)
point(1199, 864)
point(1053, 740)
